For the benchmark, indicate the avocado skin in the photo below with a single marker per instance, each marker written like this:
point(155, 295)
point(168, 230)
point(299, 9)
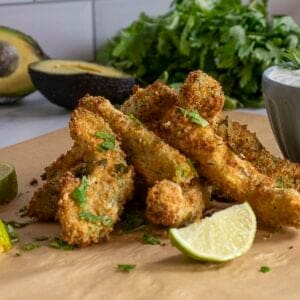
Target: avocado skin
point(20, 94)
point(38, 50)
point(66, 90)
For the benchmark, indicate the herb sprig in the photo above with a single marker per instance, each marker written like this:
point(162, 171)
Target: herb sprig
point(232, 41)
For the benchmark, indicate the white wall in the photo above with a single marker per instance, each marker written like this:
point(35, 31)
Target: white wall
point(75, 28)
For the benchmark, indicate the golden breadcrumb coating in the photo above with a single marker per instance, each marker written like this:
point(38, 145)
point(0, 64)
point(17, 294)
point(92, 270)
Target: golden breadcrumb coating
point(246, 144)
point(172, 205)
point(109, 183)
point(150, 103)
point(150, 156)
point(273, 205)
point(204, 94)
point(43, 204)
point(155, 161)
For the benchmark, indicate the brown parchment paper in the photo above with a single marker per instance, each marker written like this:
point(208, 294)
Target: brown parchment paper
point(161, 272)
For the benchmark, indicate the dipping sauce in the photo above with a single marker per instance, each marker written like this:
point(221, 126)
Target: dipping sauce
point(285, 76)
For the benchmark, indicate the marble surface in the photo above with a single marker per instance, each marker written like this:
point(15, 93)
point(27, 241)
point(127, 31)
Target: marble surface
point(34, 116)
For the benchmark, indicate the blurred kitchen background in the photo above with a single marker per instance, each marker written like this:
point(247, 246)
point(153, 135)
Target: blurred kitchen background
point(74, 30)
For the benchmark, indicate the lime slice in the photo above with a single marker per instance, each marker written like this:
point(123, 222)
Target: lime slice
point(226, 235)
point(8, 183)
point(5, 243)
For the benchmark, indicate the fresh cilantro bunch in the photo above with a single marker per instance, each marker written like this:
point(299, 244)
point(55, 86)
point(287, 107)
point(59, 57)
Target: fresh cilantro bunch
point(231, 41)
point(292, 59)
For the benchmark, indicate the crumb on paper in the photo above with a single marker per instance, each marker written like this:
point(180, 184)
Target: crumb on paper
point(34, 182)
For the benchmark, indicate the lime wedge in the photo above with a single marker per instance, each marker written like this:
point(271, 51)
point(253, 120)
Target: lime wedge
point(224, 236)
point(5, 243)
point(8, 183)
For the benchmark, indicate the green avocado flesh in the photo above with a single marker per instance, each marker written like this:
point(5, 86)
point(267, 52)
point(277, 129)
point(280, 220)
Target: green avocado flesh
point(69, 67)
point(64, 82)
point(17, 51)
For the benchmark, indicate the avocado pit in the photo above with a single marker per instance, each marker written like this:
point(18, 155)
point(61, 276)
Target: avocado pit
point(9, 59)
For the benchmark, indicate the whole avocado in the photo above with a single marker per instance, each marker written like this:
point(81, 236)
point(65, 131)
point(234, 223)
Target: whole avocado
point(17, 51)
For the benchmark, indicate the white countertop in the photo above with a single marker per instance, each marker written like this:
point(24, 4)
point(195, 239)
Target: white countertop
point(29, 118)
point(34, 116)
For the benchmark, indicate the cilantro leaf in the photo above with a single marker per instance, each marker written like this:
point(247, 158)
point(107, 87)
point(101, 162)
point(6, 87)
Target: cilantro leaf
point(135, 119)
point(109, 141)
point(126, 267)
point(150, 239)
point(30, 246)
point(193, 116)
point(92, 218)
point(57, 243)
point(265, 269)
point(79, 194)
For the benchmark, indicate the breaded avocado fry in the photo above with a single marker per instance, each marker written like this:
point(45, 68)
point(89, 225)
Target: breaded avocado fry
point(151, 157)
point(43, 204)
point(159, 164)
point(273, 205)
point(89, 207)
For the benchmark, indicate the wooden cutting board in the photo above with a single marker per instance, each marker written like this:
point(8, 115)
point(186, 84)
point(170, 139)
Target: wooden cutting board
point(161, 272)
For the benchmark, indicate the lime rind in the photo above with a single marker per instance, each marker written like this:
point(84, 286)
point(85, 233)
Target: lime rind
point(181, 244)
point(8, 183)
point(5, 243)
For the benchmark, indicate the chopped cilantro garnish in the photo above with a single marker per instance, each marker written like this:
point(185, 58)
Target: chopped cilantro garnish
point(135, 119)
point(265, 269)
point(126, 267)
point(193, 116)
point(92, 218)
point(150, 239)
point(12, 233)
point(30, 246)
point(109, 141)
point(103, 135)
point(280, 183)
point(107, 145)
point(79, 194)
point(60, 244)
point(107, 221)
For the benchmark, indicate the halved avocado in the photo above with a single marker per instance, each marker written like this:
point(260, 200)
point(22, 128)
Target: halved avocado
point(17, 51)
point(64, 82)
